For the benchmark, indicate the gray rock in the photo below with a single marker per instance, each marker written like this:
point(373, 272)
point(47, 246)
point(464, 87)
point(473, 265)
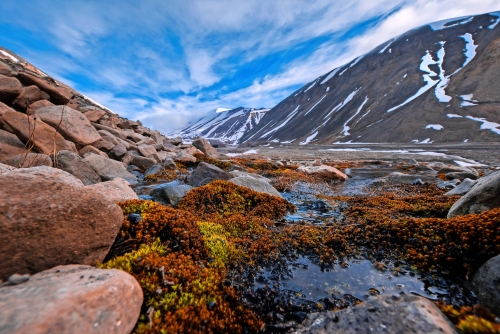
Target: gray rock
point(448, 184)
point(16, 279)
point(170, 193)
point(76, 166)
point(423, 168)
point(176, 141)
point(462, 175)
point(109, 169)
point(169, 164)
point(417, 182)
point(118, 151)
point(486, 283)
point(484, 195)
point(154, 170)
point(206, 173)
point(457, 169)
point(147, 150)
point(204, 146)
point(142, 162)
point(116, 190)
point(184, 157)
point(383, 314)
point(72, 299)
point(256, 185)
point(462, 188)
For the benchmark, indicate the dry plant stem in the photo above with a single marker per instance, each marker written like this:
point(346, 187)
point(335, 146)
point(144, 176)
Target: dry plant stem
point(29, 144)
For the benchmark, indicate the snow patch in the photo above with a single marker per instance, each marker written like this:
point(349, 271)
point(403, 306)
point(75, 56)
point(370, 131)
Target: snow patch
point(343, 103)
point(290, 116)
point(495, 22)
point(11, 57)
point(219, 110)
point(435, 127)
point(315, 105)
point(309, 139)
point(444, 80)
point(331, 75)
point(327, 89)
point(453, 116)
point(442, 24)
point(288, 141)
point(98, 104)
point(385, 47)
point(244, 153)
point(493, 127)
point(311, 86)
point(470, 48)
point(345, 131)
point(467, 104)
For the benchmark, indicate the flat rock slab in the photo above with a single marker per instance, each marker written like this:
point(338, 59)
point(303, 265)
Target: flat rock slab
point(48, 218)
point(72, 299)
point(72, 124)
point(462, 188)
point(74, 164)
point(109, 169)
point(170, 193)
point(383, 314)
point(256, 185)
point(116, 190)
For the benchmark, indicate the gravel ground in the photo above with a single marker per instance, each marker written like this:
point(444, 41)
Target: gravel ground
point(473, 153)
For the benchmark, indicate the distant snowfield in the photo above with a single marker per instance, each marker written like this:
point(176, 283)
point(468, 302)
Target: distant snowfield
point(14, 59)
point(435, 127)
point(244, 153)
point(457, 159)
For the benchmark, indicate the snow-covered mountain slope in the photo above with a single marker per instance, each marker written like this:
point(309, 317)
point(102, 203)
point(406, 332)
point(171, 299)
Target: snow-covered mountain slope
point(225, 125)
point(436, 83)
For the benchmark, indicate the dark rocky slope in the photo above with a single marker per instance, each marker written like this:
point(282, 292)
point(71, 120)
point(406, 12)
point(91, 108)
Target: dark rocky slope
point(436, 83)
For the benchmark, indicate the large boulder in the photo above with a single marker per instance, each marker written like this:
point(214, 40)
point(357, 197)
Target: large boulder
point(486, 283)
point(58, 95)
point(206, 173)
point(38, 105)
point(70, 123)
point(109, 169)
point(89, 149)
point(10, 88)
point(256, 185)
point(48, 218)
point(462, 175)
point(329, 171)
point(26, 160)
point(484, 195)
point(142, 162)
point(10, 145)
point(28, 95)
point(116, 190)
point(32, 131)
point(72, 299)
point(383, 314)
point(74, 164)
point(147, 150)
point(457, 169)
point(203, 145)
point(170, 193)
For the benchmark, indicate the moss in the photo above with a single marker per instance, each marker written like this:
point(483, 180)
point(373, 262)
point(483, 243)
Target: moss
point(217, 241)
point(167, 175)
point(470, 320)
point(224, 165)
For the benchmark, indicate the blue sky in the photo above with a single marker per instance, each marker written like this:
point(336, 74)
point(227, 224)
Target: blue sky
point(170, 62)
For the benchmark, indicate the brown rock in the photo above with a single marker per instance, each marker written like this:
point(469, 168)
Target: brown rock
point(118, 151)
point(109, 169)
point(147, 141)
point(70, 123)
point(4, 108)
point(72, 299)
point(38, 105)
point(73, 146)
point(203, 145)
point(193, 150)
point(184, 157)
point(73, 164)
point(114, 132)
point(329, 171)
point(147, 150)
point(32, 131)
point(162, 155)
point(127, 124)
point(136, 137)
point(26, 160)
point(47, 218)
point(142, 162)
point(10, 145)
point(104, 144)
point(106, 135)
point(10, 88)
point(90, 150)
point(127, 159)
point(116, 190)
point(58, 95)
point(7, 70)
point(28, 95)
point(94, 115)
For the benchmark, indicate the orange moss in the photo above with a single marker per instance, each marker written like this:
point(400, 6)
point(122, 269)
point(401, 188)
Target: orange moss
point(224, 199)
point(167, 175)
point(470, 320)
point(224, 165)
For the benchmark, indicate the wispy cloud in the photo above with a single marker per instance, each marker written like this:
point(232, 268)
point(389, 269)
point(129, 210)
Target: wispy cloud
point(168, 62)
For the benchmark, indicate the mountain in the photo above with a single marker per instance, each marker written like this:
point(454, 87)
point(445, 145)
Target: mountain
point(436, 83)
point(225, 125)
